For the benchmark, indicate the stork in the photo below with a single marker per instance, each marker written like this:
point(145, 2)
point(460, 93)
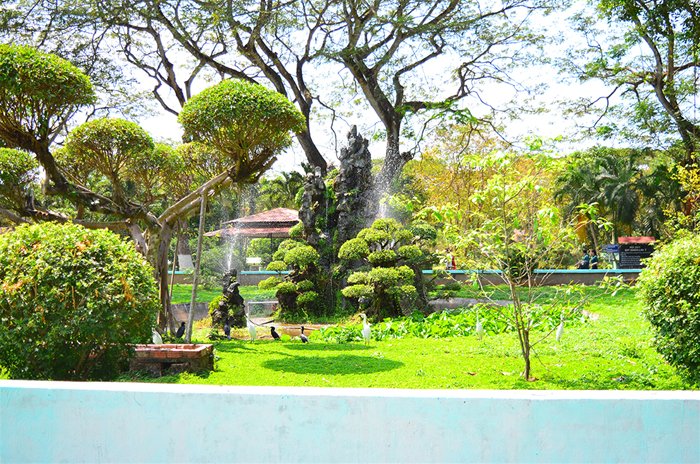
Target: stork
point(366, 329)
point(304, 338)
point(251, 328)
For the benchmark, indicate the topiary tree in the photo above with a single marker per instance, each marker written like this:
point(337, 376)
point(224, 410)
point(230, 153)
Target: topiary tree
point(297, 293)
point(390, 259)
point(72, 301)
point(670, 289)
point(248, 122)
point(115, 148)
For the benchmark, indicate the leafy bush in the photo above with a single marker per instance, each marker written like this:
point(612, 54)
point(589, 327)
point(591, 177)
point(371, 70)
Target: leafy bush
point(239, 111)
point(460, 322)
point(307, 299)
point(286, 288)
point(302, 256)
point(277, 266)
point(72, 300)
point(305, 286)
point(357, 291)
point(670, 288)
point(297, 231)
point(382, 257)
point(269, 283)
point(355, 248)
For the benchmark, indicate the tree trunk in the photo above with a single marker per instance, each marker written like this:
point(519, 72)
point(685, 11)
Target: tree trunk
point(158, 257)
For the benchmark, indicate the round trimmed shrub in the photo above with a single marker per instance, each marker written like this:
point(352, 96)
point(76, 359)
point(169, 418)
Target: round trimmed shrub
point(71, 302)
point(670, 289)
point(277, 266)
point(302, 257)
point(355, 248)
point(382, 258)
point(269, 283)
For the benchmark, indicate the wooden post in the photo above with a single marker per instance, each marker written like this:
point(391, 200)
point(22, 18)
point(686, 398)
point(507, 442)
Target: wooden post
point(195, 277)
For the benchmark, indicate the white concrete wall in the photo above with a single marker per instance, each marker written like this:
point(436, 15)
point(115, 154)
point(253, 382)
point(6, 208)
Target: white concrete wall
point(119, 422)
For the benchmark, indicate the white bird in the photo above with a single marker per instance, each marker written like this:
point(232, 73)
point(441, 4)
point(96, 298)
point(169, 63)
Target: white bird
point(157, 339)
point(479, 329)
point(560, 329)
point(251, 329)
point(304, 338)
point(366, 329)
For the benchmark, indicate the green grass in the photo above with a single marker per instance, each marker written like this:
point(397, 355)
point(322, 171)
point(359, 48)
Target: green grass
point(182, 293)
point(612, 352)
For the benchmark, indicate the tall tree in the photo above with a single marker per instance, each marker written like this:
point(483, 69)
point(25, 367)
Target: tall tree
point(384, 49)
point(648, 52)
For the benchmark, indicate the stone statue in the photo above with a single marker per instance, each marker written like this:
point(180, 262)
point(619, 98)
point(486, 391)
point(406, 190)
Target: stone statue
point(231, 309)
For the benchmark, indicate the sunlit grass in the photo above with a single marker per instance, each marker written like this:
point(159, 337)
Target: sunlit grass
point(612, 352)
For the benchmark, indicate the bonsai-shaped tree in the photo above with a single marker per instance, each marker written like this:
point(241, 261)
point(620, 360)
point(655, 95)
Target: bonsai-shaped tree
point(389, 257)
point(298, 291)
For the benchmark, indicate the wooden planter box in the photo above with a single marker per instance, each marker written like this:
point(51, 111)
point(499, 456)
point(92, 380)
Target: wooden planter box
point(172, 358)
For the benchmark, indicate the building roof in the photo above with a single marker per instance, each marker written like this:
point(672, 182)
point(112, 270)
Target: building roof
point(274, 223)
point(277, 215)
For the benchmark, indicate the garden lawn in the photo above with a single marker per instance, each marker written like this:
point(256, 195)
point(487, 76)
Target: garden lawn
point(612, 352)
point(182, 293)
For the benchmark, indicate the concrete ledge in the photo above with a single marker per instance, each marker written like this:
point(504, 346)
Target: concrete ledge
point(121, 422)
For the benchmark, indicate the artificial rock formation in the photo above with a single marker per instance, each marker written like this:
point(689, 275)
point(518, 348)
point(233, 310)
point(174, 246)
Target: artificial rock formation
point(353, 188)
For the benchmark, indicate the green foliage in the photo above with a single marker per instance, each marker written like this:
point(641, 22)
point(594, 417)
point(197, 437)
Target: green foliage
point(388, 247)
point(305, 286)
point(389, 225)
point(18, 171)
point(355, 248)
point(113, 147)
point(269, 283)
point(410, 252)
point(277, 266)
point(382, 257)
point(286, 288)
point(288, 244)
point(460, 322)
point(423, 230)
point(374, 236)
point(246, 121)
point(72, 300)
point(307, 299)
point(670, 288)
point(358, 277)
point(302, 257)
point(38, 92)
point(214, 303)
point(357, 291)
point(297, 231)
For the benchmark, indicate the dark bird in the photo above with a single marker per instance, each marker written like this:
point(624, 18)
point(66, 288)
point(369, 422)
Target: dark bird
point(274, 333)
point(180, 331)
point(304, 338)
point(227, 331)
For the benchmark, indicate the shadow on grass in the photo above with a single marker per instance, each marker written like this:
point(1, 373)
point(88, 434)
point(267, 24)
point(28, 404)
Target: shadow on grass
point(335, 365)
point(325, 347)
point(233, 346)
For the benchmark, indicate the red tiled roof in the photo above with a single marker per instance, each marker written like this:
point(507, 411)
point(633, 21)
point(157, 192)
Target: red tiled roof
point(272, 216)
point(268, 224)
point(252, 232)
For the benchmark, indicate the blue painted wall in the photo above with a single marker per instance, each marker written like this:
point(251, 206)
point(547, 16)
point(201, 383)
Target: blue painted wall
point(108, 422)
